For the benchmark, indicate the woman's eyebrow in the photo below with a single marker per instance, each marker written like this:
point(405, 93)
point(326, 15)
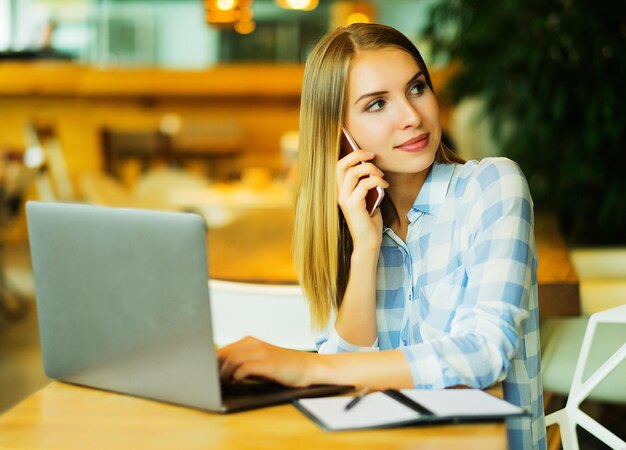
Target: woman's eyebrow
point(415, 77)
point(377, 93)
point(370, 94)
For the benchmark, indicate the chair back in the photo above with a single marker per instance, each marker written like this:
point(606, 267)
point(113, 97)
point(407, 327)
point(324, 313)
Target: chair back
point(53, 182)
point(278, 314)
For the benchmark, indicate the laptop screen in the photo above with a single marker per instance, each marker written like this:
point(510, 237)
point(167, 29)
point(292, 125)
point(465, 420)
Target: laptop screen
point(123, 301)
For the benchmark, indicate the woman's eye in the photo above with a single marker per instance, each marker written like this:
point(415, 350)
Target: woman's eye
point(376, 105)
point(418, 88)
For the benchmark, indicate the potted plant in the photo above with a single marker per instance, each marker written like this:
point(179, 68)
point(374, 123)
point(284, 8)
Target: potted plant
point(552, 76)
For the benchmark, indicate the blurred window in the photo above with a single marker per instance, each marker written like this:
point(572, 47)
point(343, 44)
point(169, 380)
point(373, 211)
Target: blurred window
point(273, 41)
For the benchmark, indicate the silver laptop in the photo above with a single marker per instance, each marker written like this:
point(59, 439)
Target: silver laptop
point(123, 305)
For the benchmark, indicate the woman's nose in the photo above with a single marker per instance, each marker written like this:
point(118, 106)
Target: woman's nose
point(409, 115)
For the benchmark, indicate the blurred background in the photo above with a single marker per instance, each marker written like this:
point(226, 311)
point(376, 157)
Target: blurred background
point(192, 105)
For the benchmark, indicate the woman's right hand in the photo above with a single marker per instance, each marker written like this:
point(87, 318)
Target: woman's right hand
point(354, 180)
point(251, 357)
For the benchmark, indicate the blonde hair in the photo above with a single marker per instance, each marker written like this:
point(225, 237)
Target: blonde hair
point(322, 242)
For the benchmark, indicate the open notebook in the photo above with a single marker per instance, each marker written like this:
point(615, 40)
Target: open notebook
point(393, 408)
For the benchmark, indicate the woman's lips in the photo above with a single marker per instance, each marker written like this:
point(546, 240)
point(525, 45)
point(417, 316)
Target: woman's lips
point(416, 144)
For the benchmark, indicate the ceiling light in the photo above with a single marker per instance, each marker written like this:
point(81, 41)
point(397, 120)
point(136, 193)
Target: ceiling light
point(225, 5)
point(245, 27)
point(357, 17)
point(302, 5)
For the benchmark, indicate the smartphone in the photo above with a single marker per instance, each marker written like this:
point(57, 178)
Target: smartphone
point(375, 195)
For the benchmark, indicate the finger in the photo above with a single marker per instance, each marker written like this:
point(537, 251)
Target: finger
point(371, 182)
point(226, 370)
point(361, 186)
point(354, 175)
point(233, 355)
point(252, 369)
point(351, 178)
point(357, 199)
point(362, 168)
point(354, 158)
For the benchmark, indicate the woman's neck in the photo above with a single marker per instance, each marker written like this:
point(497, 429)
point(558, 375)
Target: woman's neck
point(399, 199)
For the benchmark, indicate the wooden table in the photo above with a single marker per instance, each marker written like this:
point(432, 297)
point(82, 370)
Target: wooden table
point(558, 284)
point(63, 416)
point(257, 248)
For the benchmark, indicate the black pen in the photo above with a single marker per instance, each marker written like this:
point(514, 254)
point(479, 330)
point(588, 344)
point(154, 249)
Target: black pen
point(357, 398)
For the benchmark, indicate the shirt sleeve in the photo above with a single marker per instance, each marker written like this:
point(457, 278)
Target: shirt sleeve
point(500, 264)
point(332, 342)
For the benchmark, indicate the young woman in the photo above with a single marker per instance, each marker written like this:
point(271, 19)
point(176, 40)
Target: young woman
point(437, 287)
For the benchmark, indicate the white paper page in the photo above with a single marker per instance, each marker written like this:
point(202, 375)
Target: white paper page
point(373, 410)
point(461, 402)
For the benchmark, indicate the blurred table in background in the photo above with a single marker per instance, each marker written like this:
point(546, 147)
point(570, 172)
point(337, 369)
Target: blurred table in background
point(257, 247)
point(559, 286)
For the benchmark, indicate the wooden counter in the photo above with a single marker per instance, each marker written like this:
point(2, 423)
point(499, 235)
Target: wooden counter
point(50, 79)
point(78, 102)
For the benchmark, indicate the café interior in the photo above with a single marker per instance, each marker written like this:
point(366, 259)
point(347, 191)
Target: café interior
point(193, 106)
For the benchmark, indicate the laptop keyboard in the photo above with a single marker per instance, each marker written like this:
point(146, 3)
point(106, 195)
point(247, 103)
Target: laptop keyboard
point(249, 387)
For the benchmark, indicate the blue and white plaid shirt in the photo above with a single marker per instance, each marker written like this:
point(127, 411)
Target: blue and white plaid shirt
point(459, 297)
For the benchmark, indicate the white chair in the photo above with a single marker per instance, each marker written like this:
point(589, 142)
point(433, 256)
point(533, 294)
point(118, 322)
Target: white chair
point(571, 416)
point(602, 274)
point(278, 314)
point(53, 182)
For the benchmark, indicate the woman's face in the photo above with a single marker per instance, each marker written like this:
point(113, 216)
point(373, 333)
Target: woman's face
point(391, 111)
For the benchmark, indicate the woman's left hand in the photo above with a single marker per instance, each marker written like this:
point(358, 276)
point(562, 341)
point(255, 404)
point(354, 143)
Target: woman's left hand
point(251, 357)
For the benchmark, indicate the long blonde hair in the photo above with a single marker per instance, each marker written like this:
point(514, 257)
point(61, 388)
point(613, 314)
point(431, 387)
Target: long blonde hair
point(322, 242)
